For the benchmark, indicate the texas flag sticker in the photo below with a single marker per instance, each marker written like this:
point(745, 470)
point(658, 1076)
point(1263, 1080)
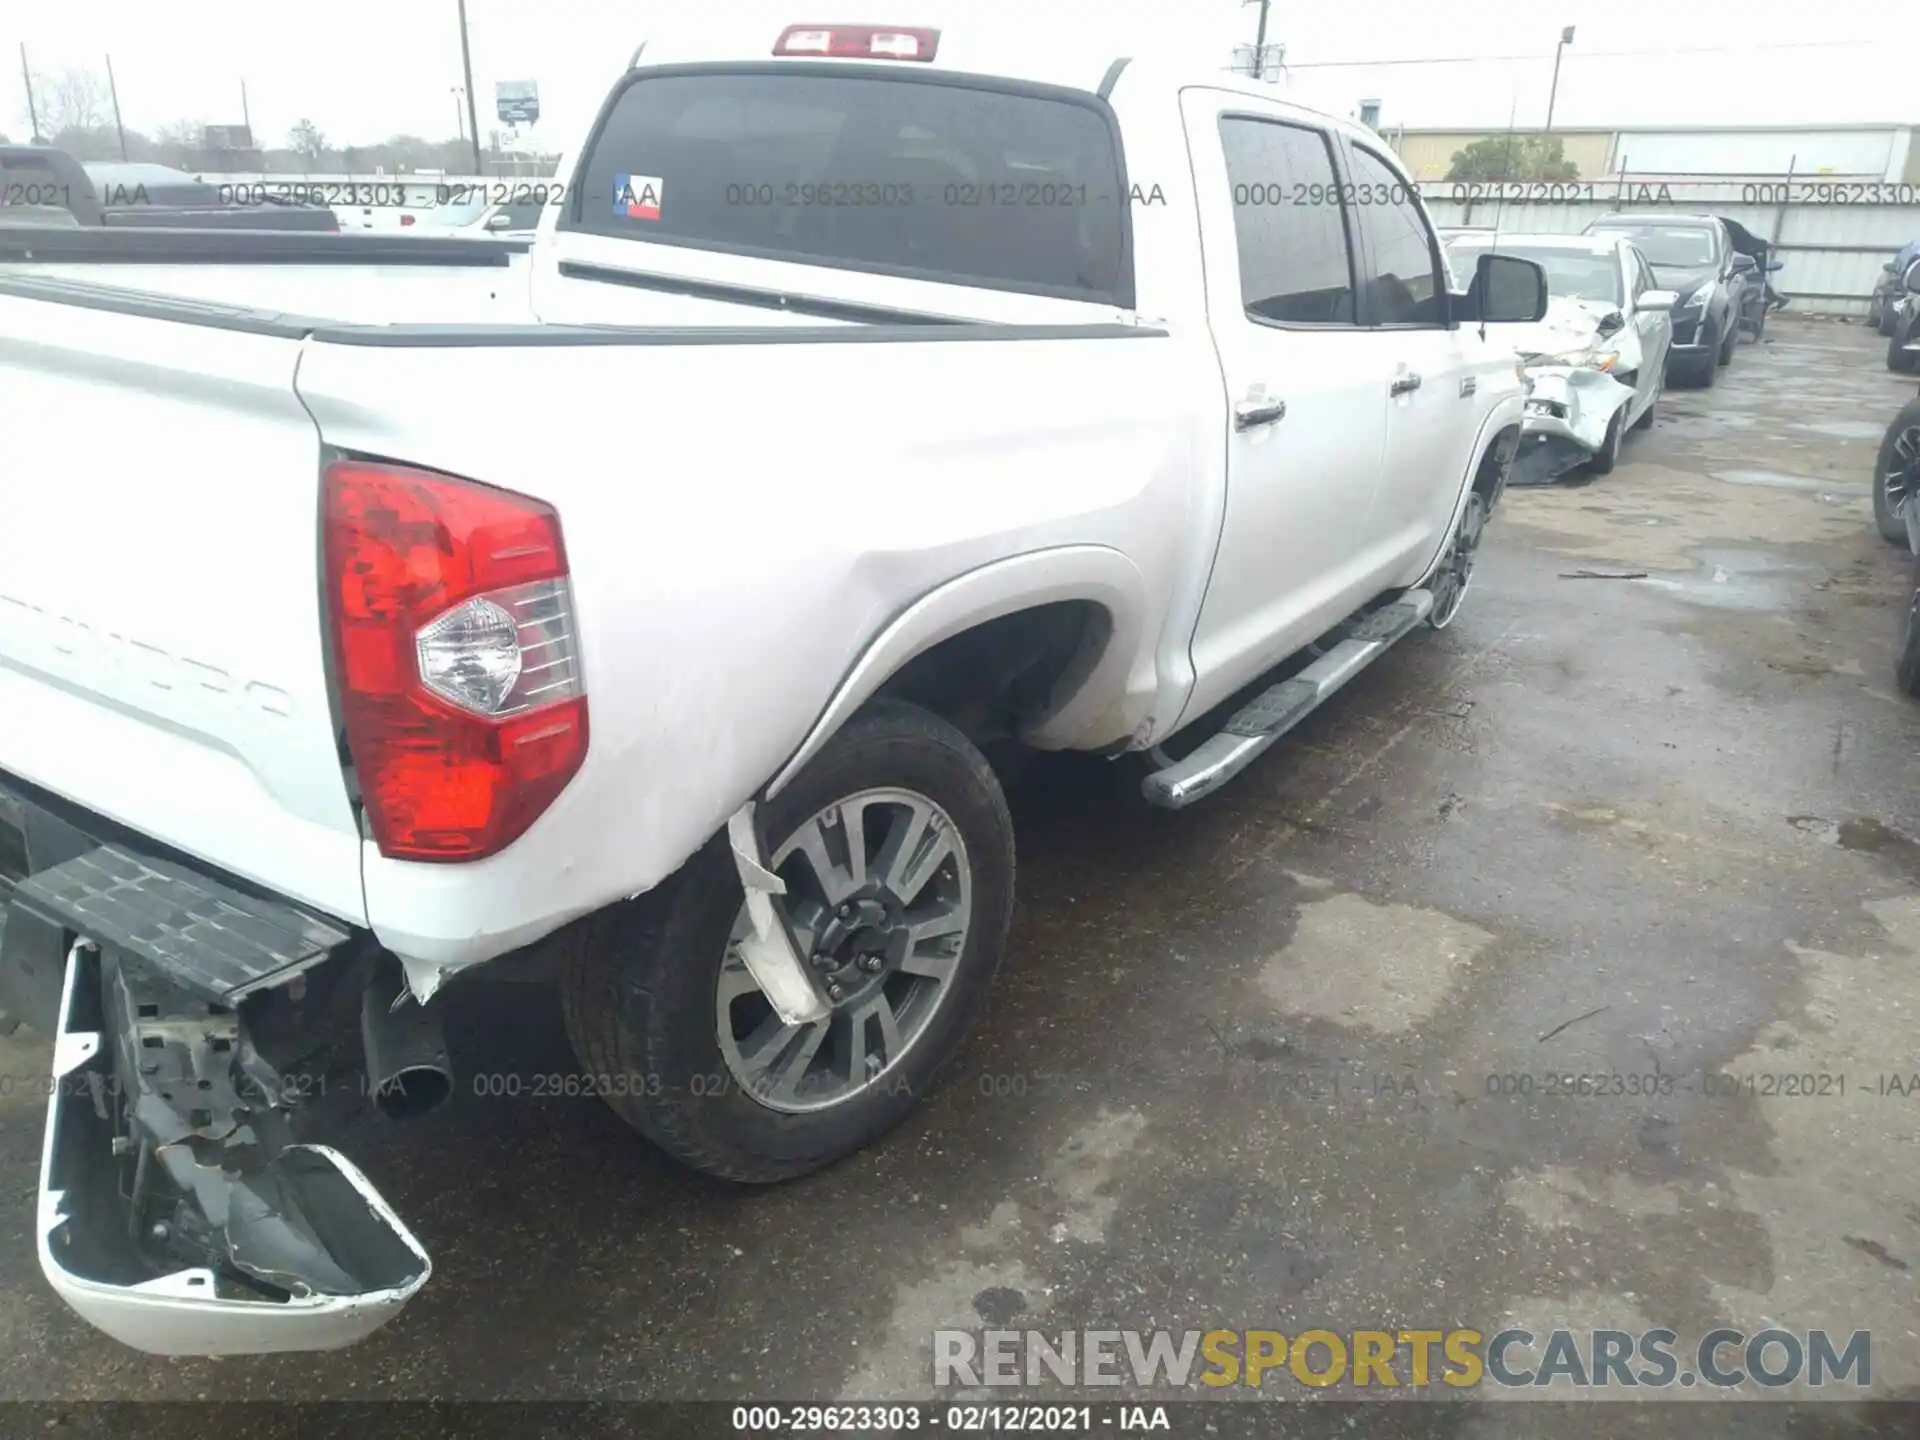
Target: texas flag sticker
point(637, 197)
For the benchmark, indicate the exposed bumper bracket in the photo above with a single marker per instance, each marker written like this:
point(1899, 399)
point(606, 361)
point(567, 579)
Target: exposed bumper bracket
point(175, 1211)
point(768, 948)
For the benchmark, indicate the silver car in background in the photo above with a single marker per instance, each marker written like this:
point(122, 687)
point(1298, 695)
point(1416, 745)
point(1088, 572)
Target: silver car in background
point(1597, 362)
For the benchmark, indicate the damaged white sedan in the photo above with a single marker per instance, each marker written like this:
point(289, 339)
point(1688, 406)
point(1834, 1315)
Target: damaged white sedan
point(1595, 362)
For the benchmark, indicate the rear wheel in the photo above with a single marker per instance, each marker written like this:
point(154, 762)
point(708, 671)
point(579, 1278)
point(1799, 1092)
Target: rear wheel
point(1896, 474)
point(1450, 581)
point(897, 851)
point(1729, 341)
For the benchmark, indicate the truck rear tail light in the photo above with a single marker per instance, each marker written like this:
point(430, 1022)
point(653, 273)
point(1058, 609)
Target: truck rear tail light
point(861, 42)
point(405, 221)
point(454, 640)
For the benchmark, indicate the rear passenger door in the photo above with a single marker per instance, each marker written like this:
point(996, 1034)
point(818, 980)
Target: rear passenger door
point(1305, 387)
point(1432, 412)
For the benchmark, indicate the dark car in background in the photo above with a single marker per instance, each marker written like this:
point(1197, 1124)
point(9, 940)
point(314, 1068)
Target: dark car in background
point(1902, 326)
point(1889, 287)
point(38, 179)
point(1720, 279)
point(1896, 514)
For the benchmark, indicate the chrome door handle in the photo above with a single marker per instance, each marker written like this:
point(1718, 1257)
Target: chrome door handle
point(1252, 413)
point(1404, 385)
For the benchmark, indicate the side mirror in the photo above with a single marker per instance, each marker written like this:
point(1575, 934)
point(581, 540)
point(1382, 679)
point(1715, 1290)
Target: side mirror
point(1744, 265)
point(1773, 265)
point(501, 221)
point(1506, 290)
point(1657, 302)
point(1888, 267)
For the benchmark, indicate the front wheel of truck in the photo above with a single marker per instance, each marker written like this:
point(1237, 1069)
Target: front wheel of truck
point(897, 850)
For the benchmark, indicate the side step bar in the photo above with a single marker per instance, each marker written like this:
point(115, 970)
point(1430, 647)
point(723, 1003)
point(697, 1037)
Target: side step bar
point(1276, 710)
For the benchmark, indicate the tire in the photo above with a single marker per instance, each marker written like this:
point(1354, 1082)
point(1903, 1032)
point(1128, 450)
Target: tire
point(1906, 669)
point(1728, 343)
point(1645, 422)
point(1760, 326)
point(1608, 455)
point(1896, 473)
point(642, 989)
point(1454, 576)
point(1880, 316)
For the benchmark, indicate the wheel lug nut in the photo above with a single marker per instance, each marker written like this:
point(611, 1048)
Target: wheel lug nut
point(834, 992)
point(871, 964)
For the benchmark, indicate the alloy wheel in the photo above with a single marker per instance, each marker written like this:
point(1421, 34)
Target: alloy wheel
point(880, 895)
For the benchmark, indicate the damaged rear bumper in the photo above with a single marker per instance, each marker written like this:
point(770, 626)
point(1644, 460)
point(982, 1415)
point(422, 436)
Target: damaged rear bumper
point(1567, 415)
point(173, 1212)
point(177, 1211)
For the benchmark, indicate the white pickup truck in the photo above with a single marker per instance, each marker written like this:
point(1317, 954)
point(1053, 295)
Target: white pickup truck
point(638, 599)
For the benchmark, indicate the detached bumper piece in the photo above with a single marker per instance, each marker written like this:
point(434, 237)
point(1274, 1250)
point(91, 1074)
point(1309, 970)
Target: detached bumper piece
point(176, 1211)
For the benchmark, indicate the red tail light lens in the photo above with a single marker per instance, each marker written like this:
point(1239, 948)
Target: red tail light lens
point(405, 220)
point(453, 635)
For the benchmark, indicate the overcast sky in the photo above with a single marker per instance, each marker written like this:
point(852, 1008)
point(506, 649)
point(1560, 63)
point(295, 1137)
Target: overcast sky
point(366, 69)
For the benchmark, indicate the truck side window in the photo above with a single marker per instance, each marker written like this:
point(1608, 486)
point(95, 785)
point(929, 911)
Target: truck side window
point(1406, 288)
point(1295, 267)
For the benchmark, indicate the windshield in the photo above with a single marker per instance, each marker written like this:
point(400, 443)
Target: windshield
point(1572, 274)
point(1688, 247)
point(959, 182)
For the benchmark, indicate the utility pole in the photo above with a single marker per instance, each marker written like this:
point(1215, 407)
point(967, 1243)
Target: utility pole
point(1260, 40)
point(459, 113)
point(26, 73)
point(246, 116)
point(466, 65)
point(1566, 39)
point(114, 91)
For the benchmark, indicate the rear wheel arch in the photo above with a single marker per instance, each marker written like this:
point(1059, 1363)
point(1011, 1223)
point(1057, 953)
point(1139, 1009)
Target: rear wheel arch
point(1058, 631)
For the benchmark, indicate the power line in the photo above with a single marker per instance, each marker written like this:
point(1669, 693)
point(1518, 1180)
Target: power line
point(1578, 55)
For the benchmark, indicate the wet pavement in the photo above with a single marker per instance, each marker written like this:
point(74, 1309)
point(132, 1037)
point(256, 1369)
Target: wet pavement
point(1252, 1065)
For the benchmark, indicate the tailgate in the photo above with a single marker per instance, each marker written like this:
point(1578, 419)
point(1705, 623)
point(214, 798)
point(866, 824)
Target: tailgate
point(161, 651)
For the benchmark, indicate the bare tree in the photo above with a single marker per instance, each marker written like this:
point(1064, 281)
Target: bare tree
point(306, 140)
point(75, 99)
point(178, 143)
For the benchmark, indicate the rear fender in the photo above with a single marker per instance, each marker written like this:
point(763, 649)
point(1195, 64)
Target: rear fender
point(1101, 708)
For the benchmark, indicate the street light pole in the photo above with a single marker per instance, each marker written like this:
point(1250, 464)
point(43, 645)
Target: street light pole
point(1566, 39)
point(26, 74)
point(1259, 40)
point(114, 91)
point(459, 112)
point(466, 64)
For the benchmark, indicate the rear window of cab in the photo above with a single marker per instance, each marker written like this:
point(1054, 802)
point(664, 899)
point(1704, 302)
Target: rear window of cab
point(958, 180)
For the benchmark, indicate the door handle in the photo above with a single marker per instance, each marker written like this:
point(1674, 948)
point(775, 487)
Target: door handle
point(1252, 413)
point(1404, 385)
